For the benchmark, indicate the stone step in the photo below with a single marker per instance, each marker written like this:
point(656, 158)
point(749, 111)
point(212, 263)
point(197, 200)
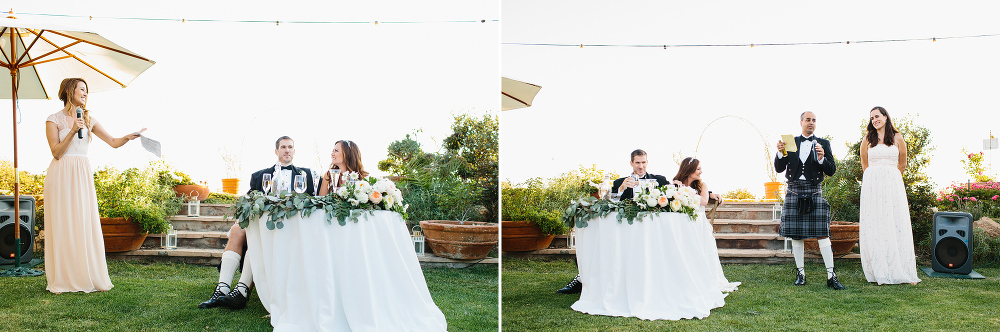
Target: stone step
point(745, 226)
point(202, 223)
point(191, 239)
point(748, 205)
point(208, 210)
point(749, 241)
point(213, 257)
point(727, 256)
point(728, 212)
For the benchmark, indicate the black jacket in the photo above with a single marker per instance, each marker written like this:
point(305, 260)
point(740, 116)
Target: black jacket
point(660, 181)
point(257, 177)
point(813, 170)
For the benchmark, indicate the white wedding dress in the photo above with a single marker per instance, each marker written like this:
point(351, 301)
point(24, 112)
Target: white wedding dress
point(887, 255)
point(712, 252)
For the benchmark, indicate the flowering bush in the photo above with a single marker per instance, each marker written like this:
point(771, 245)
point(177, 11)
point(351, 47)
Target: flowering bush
point(959, 197)
point(973, 164)
point(742, 194)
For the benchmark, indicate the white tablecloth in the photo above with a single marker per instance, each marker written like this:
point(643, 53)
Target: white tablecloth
point(314, 276)
point(657, 268)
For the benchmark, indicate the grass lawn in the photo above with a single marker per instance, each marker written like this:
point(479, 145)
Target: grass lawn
point(165, 297)
point(767, 301)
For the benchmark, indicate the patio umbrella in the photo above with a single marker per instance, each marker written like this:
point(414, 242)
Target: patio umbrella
point(39, 56)
point(516, 94)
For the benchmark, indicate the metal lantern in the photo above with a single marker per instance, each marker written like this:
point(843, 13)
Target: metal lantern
point(571, 242)
point(170, 238)
point(194, 207)
point(418, 240)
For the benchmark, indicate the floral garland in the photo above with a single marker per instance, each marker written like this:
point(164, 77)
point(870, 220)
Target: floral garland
point(650, 200)
point(350, 201)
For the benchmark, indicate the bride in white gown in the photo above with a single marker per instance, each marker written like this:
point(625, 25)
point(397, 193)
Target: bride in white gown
point(887, 255)
point(689, 174)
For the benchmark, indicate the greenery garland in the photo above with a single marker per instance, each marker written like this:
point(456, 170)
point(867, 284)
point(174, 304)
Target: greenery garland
point(587, 208)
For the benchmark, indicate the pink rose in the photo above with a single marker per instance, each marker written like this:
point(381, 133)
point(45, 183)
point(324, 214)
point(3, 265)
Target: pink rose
point(940, 199)
point(972, 199)
point(995, 197)
point(951, 199)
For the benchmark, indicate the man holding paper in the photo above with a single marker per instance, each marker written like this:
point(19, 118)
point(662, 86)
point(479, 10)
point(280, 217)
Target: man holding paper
point(805, 213)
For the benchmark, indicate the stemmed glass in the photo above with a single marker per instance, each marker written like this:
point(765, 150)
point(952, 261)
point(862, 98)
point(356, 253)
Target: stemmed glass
point(300, 184)
point(334, 179)
point(266, 183)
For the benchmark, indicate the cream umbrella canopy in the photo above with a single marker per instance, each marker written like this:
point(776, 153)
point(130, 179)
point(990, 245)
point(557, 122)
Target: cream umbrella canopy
point(516, 94)
point(39, 56)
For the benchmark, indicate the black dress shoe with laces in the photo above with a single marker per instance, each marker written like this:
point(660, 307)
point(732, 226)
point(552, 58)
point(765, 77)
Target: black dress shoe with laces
point(800, 278)
point(235, 299)
point(573, 287)
point(216, 296)
point(834, 283)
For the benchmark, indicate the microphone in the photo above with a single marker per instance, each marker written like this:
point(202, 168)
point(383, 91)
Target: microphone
point(79, 114)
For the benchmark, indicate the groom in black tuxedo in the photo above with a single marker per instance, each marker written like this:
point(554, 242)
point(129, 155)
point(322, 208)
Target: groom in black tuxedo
point(805, 213)
point(236, 248)
point(623, 186)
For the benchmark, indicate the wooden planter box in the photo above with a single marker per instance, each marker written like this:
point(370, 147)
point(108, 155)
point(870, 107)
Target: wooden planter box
point(523, 236)
point(452, 239)
point(843, 236)
point(192, 190)
point(121, 234)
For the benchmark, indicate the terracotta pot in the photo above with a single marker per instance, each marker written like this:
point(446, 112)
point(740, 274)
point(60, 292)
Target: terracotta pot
point(231, 186)
point(452, 239)
point(523, 236)
point(772, 190)
point(192, 190)
point(121, 234)
point(843, 236)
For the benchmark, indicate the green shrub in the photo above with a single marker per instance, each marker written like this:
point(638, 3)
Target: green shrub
point(220, 198)
point(985, 248)
point(530, 202)
point(31, 185)
point(137, 194)
point(742, 193)
point(983, 198)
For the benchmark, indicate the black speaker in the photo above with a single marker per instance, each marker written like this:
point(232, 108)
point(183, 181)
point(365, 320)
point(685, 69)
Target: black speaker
point(951, 245)
point(27, 224)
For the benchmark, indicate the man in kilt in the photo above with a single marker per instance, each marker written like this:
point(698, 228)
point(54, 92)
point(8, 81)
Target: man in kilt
point(806, 214)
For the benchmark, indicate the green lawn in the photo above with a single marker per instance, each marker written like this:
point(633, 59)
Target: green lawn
point(766, 301)
point(164, 297)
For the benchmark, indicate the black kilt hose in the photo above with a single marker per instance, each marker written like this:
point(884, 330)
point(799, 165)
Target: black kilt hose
point(810, 223)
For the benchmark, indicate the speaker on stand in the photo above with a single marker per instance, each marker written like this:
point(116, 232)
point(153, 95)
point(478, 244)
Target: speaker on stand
point(951, 243)
point(7, 224)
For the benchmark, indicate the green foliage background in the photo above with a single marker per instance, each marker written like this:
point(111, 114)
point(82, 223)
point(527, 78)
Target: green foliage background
point(138, 194)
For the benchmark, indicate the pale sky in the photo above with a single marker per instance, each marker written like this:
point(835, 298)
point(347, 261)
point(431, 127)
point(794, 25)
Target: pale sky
point(243, 85)
point(598, 104)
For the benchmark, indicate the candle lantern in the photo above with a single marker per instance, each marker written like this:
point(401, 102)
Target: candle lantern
point(418, 240)
point(194, 207)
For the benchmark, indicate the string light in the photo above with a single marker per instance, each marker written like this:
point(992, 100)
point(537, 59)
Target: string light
point(665, 46)
point(182, 20)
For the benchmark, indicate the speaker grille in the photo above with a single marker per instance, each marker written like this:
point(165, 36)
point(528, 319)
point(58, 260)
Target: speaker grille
point(7, 241)
point(951, 252)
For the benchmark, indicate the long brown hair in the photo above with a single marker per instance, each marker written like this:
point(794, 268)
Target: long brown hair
point(890, 131)
point(688, 166)
point(66, 89)
point(352, 157)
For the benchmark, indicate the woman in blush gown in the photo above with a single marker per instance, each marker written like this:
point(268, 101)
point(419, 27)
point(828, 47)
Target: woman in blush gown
point(74, 242)
point(689, 174)
point(887, 255)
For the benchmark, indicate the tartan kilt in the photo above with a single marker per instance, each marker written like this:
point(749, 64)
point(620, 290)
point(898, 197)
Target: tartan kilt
point(816, 224)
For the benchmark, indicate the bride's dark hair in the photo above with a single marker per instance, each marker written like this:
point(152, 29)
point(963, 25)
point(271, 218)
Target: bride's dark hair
point(688, 166)
point(352, 157)
point(890, 131)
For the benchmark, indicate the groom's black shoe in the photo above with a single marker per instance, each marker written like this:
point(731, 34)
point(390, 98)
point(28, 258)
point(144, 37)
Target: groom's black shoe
point(834, 283)
point(216, 296)
point(573, 287)
point(800, 278)
point(235, 299)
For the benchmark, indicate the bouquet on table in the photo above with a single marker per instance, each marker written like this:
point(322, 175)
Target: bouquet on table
point(647, 199)
point(350, 201)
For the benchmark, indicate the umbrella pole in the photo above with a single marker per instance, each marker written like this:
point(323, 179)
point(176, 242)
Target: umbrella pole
point(17, 271)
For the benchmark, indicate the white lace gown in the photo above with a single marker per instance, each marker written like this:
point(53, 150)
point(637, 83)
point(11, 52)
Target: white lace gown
point(887, 255)
point(74, 242)
point(712, 252)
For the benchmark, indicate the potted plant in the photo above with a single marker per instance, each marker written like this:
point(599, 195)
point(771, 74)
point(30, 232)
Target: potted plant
point(455, 224)
point(231, 184)
point(527, 225)
point(133, 203)
point(843, 236)
point(183, 185)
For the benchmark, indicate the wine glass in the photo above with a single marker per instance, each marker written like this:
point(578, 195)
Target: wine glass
point(299, 185)
point(266, 183)
point(334, 179)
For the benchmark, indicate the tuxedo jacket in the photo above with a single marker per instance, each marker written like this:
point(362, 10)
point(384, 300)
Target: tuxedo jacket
point(814, 171)
point(257, 178)
point(660, 181)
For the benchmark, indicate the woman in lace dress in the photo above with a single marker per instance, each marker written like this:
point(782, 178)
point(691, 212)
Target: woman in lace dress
point(74, 243)
point(887, 255)
point(689, 174)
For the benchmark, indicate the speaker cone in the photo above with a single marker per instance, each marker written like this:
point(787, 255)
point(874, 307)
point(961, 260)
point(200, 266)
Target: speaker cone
point(951, 252)
point(7, 241)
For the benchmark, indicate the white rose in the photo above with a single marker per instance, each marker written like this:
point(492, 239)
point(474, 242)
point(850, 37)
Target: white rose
point(361, 197)
point(675, 205)
point(655, 192)
point(353, 202)
point(342, 192)
point(651, 201)
point(389, 201)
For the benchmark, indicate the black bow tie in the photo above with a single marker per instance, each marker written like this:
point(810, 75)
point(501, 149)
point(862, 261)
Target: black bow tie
point(289, 167)
point(810, 138)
